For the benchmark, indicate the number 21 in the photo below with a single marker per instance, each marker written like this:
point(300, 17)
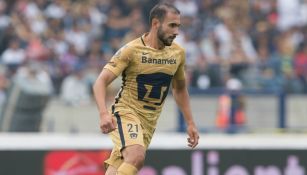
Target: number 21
point(130, 127)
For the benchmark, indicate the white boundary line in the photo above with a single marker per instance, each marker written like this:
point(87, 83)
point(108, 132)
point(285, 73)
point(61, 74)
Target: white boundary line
point(44, 141)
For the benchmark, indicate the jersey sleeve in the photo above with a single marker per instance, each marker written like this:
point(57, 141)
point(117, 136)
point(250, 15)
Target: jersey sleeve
point(119, 61)
point(180, 74)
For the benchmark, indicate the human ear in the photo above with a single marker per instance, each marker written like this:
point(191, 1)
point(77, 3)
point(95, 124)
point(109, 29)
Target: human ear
point(155, 23)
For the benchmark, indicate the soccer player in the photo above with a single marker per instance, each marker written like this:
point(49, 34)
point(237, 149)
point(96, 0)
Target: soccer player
point(149, 66)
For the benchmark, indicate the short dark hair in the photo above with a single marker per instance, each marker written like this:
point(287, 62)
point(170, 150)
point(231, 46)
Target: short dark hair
point(159, 11)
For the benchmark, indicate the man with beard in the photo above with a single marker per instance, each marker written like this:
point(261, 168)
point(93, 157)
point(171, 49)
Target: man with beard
point(149, 65)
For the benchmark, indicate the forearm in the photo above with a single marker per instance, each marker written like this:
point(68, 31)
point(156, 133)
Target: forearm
point(99, 90)
point(182, 99)
point(107, 123)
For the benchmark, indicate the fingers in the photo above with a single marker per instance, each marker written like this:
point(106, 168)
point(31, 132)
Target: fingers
point(104, 130)
point(108, 127)
point(192, 143)
point(193, 140)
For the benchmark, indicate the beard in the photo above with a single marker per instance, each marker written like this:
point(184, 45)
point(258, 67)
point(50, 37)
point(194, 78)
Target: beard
point(166, 40)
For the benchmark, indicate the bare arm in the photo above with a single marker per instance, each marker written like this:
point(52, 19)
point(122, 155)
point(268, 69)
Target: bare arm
point(107, 124)
point(181, 96)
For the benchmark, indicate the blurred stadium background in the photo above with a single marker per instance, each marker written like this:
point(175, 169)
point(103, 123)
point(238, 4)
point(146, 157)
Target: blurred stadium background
point(246, 69)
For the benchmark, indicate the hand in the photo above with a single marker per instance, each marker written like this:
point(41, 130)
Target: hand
point(193, 136)
point(107, 123)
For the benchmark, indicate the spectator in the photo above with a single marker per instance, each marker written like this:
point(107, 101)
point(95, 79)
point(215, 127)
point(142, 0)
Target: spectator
point(55, 10)
point(285, 68)
point(4, 18)
point(75, 90)
point(303, 13)
point(209, 47)
point(300, 65)
point(117, 25)
point(268, 72)
point(78, 38)
point(187, 7)
point(33, 79)
point(227, 34)
point(289, 14)
point(4, 83)
point(69, 60)
point(13, 56)
point(57, 44)
point(36, 50)
point(222, 36)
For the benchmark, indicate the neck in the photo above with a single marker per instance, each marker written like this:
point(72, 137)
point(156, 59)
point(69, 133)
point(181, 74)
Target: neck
point(152, 40)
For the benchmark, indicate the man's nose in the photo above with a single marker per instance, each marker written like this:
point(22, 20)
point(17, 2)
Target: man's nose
point(176, 31)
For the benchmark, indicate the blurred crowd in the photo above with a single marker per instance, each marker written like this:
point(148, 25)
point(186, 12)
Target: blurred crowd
point(253, 44)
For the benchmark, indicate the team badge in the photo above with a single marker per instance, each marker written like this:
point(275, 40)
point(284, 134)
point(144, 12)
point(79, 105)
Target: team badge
point(133, 135)
point(113, 64)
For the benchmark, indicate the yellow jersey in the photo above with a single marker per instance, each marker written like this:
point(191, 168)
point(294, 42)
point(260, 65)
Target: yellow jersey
point(147, 74)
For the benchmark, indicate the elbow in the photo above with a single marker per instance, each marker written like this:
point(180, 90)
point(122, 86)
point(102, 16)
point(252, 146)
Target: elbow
point(178, 90)
point(95, 86)
point(99, 84)
point(175, 93)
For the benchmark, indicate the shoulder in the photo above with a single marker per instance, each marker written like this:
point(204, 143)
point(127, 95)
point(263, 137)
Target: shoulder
point(130, 47)
point(134, 44)
point(176, 46)
point(179, 49)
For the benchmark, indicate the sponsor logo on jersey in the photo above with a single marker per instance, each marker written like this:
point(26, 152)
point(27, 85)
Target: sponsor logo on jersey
point(148, 60)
